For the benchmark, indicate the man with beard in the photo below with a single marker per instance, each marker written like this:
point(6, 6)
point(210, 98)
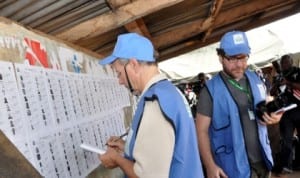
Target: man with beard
point(233, 141)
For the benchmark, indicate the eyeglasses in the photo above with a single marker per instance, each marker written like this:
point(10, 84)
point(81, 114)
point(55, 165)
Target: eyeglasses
point(118, 73)
point(237, 58)
point(118, 70)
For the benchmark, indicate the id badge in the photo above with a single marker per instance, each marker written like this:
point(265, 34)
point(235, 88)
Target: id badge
point(251, 114)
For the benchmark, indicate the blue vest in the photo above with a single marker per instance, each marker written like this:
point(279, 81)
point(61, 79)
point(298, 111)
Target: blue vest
point(226, 134)
point(186, 160)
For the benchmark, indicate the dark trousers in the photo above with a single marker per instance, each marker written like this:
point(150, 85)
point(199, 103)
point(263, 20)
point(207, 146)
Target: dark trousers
point(288, 123)
point(259, 170)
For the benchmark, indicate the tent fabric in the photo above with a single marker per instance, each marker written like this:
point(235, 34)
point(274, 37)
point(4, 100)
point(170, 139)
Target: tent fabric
point(265, 47)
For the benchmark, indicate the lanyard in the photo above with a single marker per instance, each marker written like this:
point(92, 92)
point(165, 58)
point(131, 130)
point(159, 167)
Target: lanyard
point(236, 85)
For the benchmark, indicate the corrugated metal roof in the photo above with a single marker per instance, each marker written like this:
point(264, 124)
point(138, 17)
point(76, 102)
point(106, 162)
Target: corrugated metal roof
point(174, 26)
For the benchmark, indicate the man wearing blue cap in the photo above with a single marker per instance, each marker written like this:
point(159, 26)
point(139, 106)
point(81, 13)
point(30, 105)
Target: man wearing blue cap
point(233, 141)
point(162, 138)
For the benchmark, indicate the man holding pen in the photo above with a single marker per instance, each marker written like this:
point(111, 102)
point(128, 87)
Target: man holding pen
point(161, 141)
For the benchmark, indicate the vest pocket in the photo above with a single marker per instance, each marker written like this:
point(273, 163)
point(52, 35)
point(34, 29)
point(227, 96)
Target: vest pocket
point(221, 123)
point(223, 149)
point(222, 136)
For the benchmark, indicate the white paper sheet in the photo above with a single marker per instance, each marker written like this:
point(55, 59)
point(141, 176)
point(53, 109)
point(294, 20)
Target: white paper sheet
point(47, 114)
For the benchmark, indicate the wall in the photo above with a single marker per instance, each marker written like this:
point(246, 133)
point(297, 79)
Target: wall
point(54, 97)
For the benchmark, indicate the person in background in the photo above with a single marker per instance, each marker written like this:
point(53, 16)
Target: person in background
point(290, 80)
point(233, 141)
point(198, 85)
point(260, 73)
point(162, 138)
point(202, 78)
point(265, 80)
point(191, 97)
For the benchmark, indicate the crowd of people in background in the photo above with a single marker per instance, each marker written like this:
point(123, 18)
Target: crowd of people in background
point(191, 90)
point(285, 88)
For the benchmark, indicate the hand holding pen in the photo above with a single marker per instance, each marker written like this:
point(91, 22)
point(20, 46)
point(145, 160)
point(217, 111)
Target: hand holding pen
point(117, 142)
point(115, 147)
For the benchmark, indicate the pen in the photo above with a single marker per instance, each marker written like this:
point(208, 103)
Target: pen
point(120, 137)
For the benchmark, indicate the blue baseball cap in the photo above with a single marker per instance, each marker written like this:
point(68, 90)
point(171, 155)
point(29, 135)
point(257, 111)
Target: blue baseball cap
point(234, 43)
point(131, 45)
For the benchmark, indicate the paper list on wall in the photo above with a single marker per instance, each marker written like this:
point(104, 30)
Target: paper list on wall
point(35, 101)
point(53, 112)
point(12, 111)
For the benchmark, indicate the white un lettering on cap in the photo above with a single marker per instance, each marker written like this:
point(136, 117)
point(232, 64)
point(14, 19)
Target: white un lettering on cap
point(238, 39)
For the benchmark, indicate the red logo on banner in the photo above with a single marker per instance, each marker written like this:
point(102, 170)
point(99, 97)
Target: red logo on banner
point(35, 53)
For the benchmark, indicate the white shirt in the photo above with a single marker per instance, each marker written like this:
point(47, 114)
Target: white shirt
point(155, 141)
